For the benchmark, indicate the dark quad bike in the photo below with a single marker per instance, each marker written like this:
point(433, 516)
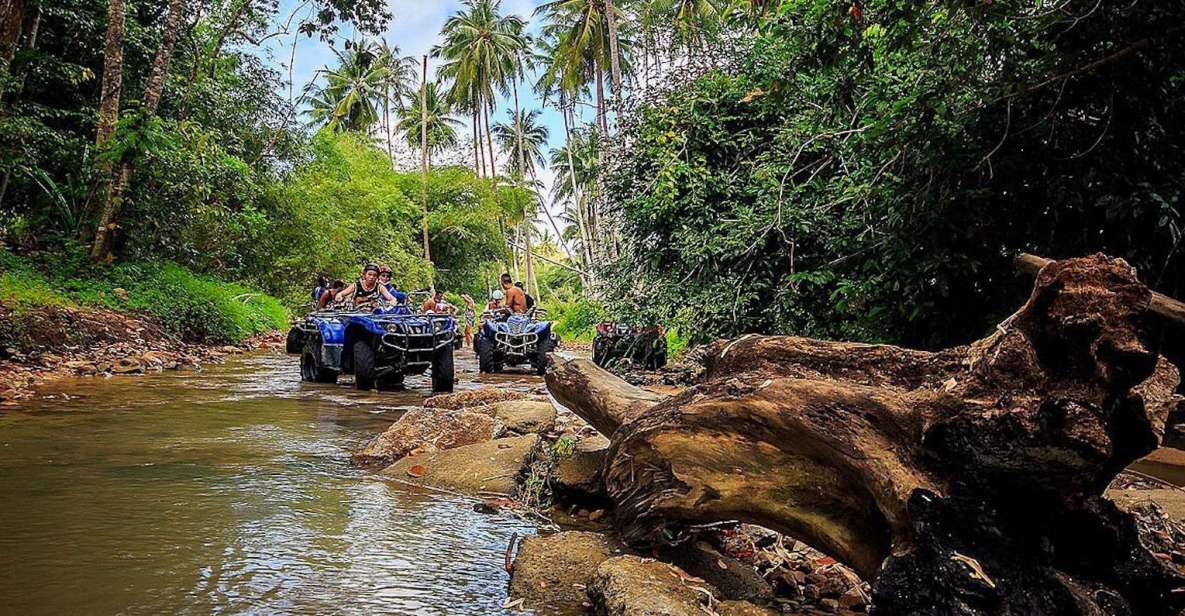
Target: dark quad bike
point(379, 348)
point(506, 339)
point(616, 343)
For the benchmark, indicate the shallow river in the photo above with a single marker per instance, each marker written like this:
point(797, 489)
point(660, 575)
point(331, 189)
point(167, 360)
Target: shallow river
point(229, 491)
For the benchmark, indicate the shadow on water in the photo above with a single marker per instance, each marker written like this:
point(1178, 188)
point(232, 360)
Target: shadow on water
point(229, 491)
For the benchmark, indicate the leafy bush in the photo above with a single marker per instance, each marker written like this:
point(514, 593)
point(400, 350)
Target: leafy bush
point(576, 319)
point(869, 177)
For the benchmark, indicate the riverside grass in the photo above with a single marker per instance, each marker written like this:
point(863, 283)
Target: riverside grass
point(194, 307)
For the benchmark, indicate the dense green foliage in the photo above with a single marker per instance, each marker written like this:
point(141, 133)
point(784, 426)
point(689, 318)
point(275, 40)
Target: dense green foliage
point(464, 236)
point(868, 176)
point(228, 183)
point(192, 307)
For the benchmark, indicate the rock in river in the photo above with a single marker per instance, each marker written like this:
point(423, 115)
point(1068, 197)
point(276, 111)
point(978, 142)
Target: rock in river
point(429, 429)
point(478, 397)
point(551, 572)
point(482, 467)
point(524, 416)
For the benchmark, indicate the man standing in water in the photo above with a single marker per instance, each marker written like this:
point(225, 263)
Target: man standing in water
point(516, 299)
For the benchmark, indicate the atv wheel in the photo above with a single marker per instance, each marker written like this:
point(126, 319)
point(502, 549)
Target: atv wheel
point(541, 350)
point(294, 345)
point(599, 350)
point(310, 363)
point(363, 366)
point(485, 355)
point(390, 383)
point(657, 357)
point(442, 370)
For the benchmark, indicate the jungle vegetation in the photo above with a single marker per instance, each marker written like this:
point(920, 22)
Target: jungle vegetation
point(858, 169)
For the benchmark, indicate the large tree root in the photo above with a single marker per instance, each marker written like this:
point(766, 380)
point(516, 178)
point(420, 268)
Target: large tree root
point(966, 481)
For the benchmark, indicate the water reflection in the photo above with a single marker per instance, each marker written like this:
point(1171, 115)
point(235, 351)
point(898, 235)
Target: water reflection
point(228, 491)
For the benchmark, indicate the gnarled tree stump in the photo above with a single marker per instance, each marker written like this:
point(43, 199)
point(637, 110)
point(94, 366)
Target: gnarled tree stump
point(964, 481)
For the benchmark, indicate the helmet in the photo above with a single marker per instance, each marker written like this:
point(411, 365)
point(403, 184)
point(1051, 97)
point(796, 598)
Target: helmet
point(383, 269)
point(370, 267)
point(497, 295)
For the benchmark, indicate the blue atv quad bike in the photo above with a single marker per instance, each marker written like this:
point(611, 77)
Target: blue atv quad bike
point(379, 348)
point(506, 339)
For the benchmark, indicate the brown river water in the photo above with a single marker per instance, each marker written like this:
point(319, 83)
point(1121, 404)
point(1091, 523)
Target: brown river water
point(229, 491)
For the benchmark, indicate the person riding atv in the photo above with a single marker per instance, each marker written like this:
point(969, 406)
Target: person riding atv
point(366, 291)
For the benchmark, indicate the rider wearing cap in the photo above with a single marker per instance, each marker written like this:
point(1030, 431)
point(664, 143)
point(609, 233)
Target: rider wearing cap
point(385, 280)
point(366, 291)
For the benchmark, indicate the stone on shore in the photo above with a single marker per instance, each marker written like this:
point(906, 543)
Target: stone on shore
point(428, 429)
point(491, 466)
point(524, 416)
point(635, 586)
point(577, 476)
point(552, 572)
point(735, 579)
point(744, 608)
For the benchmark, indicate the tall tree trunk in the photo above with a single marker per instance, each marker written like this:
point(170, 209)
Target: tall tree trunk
point(231, 25)
point(514, 250)
point(528, 211)
point(600, 88)
point(490, 144)
point(614, 57)
point(555, 227)
point(581, 220)
point(112, 74)
point(424, 162)
point(30, 43)
point(108, 100)
point(479, 162)
point(153, 90)
point(12, 19)
point(387, 121)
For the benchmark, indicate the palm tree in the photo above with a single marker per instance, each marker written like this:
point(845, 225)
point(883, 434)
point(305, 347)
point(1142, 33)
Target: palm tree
point(575, 165)
point(534, 137)
point(690, 20)
point(397, 83)
point(579, 40)
point(480, 47)
point(442, 131)
point(352, 90)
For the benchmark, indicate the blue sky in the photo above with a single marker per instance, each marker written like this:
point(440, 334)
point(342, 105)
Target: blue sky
point(415, 29)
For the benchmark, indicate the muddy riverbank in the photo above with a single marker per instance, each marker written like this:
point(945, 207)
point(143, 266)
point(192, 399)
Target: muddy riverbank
point(49, 343)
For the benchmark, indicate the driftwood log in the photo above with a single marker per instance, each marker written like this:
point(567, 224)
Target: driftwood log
point(964, 481)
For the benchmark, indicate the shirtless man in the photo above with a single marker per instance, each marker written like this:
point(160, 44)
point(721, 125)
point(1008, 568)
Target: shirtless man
point(516, 299)
point(437, 304)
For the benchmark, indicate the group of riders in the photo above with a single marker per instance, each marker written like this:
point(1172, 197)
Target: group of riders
point(374, 288)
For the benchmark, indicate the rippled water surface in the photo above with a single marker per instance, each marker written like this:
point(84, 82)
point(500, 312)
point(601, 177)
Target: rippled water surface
point(228, 491)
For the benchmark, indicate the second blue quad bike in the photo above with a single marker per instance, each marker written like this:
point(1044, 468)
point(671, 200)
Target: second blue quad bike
point(379, 348)
point(506, 339)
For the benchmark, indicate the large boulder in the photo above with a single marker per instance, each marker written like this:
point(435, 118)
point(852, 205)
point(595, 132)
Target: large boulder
point(551, 572)
point(428, 429)
point(491, 466)
point(524, 416)
point(635, 586)
point(484, 396)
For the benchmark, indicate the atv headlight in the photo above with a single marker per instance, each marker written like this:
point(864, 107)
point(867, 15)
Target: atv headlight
point(439, 325)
